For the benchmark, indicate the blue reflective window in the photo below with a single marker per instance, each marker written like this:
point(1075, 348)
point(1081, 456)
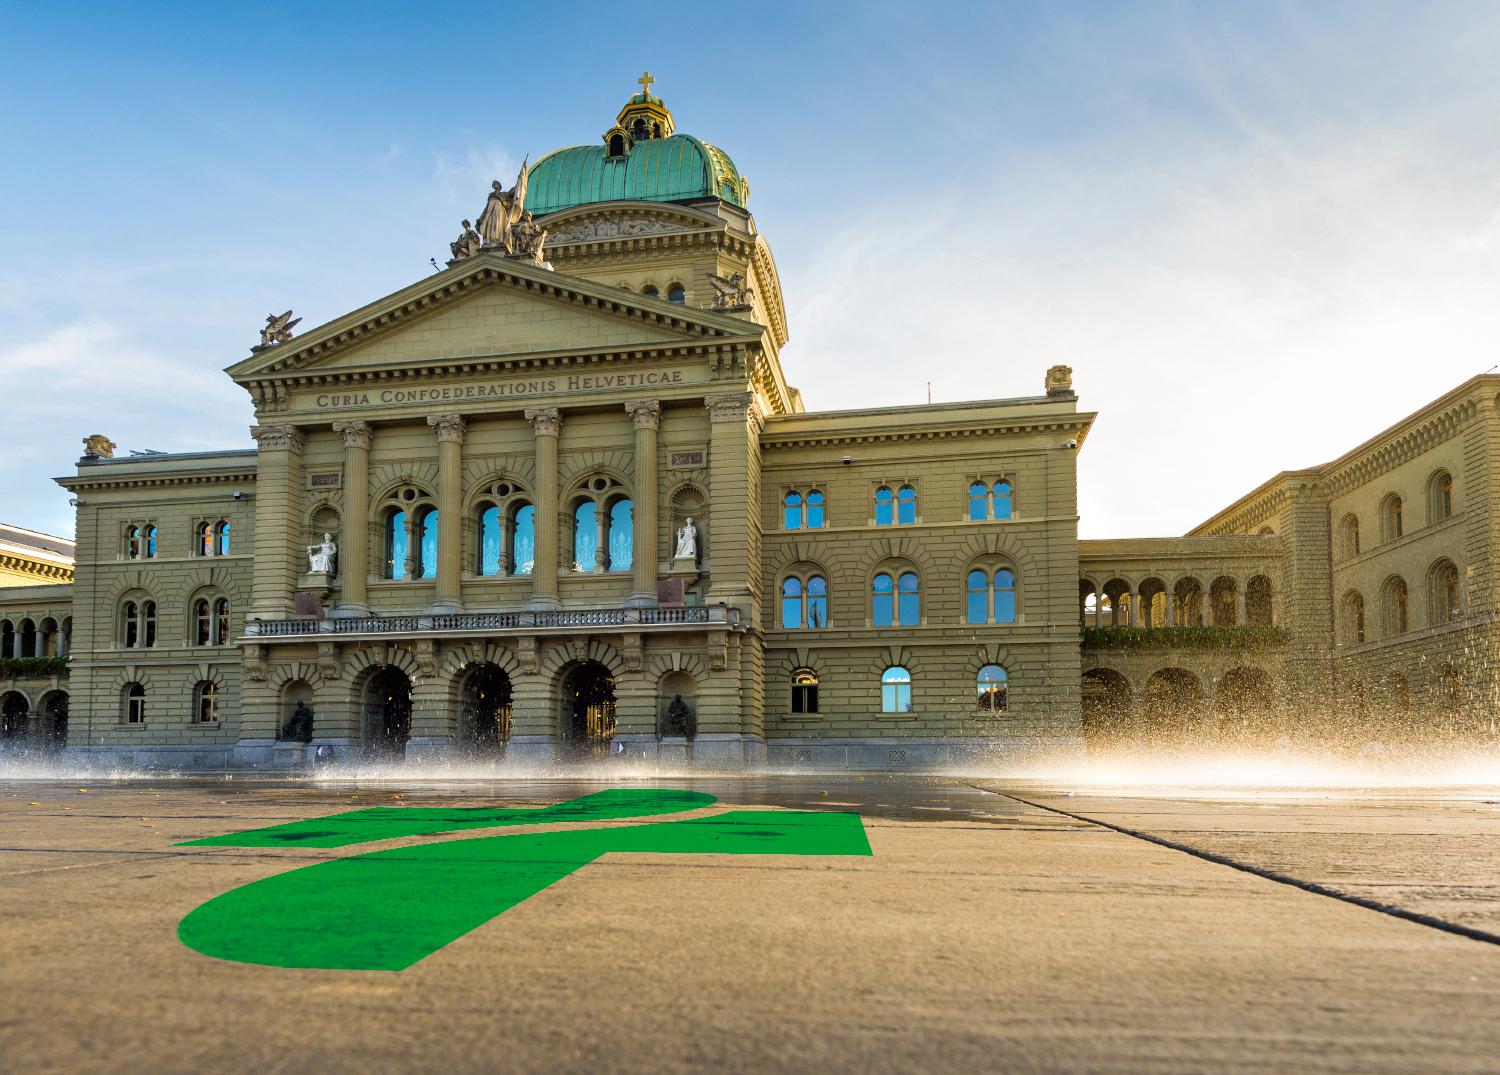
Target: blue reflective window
point(815, 510)
point(150, 541)
point(1002, 500)
point(523, 542)
point(429, 546)
point(621, 535)
point(792, 512)
point(585, 537)
point(1005, 596)
point(791, 604)
point(489, 541)
point(885, 506)
point(979, 501)
point(395, 545)
point(221, 539)
point(992, 686)
point(817, 602)
point(977, 589)
point(911, 603)
point(883, 613)
point(895, 690)
point(906, 505)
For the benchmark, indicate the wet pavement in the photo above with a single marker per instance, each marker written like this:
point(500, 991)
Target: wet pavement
point(998, 924)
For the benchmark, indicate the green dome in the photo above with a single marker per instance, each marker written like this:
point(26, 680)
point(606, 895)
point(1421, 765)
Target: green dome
point(676, 169)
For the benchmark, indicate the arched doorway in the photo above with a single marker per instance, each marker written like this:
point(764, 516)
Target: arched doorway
point(1106, 707)
point(54, 720)
point(15, 715)
point(484, 709)
point(1244, 702)
point(587, 720)
point(387, 713)
point(1172, 706)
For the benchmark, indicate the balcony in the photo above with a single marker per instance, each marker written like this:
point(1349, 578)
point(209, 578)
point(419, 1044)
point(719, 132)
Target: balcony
point(1243, 637)
point(463, 624)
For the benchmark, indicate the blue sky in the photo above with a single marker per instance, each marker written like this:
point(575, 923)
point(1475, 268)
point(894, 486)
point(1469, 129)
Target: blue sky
point(1259, 233)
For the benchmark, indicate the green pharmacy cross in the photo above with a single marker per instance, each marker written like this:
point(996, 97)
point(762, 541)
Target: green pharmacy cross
point(386, 910)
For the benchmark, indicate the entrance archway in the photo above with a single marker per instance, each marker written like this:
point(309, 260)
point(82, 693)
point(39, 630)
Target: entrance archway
point(15, 715)
point(587, 720)
point(55, 720)
point(1106, 707)
point(387, 713)
point(484, 709)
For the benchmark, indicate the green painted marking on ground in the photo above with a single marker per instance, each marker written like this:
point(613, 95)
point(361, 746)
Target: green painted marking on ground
point(390, 823)
point(386, 910)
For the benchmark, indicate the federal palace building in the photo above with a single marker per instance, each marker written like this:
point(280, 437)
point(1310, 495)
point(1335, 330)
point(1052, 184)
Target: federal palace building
point(559, 500)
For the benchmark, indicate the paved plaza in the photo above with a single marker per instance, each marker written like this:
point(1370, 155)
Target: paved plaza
point(993, 925)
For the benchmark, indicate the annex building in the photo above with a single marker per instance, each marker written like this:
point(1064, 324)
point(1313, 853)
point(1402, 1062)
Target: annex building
point(559, 499)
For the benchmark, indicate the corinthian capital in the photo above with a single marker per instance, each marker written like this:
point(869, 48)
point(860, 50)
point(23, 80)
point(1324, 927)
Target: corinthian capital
point(356, 433)
point(734, 407)
point(448, 426)
point(277, 438)
point(646, 413)
point(545, 421)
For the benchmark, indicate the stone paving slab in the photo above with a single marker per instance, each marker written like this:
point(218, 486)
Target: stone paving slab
point(994, 937)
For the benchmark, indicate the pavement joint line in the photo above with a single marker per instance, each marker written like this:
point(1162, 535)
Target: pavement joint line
point(1272, 875)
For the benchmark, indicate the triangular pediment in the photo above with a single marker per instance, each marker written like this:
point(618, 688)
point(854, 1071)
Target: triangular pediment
point(488, 307)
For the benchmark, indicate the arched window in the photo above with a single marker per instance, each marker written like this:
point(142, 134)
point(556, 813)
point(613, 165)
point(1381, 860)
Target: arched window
point(792, 511)
point(221, 538)
point(203, 622)
point(677, 293)
point(979, 502)
point(992, 595)
point(977, 591)
point(1003, 500)
point(906, 505)
point(221, 622)
point(885, 506)
point(621, 535)
point(1354, 619)
point(1439, 497)
point(427, 527)
point(801, 512)
point(895, 690)
point(138, 626)
point(395, 544)
point(814, 509)
point(1398, 619)
point(650, 291)
point(1445, 608)
point(804, 691)
point(804, 603)
point(883, 607)
point(895, 602)
point(1005, 596)
point(617, 145)
point(133, 699)
point(150, 542)
point(203, 540)
point(1391, 514)
point(1349, 529)
point(585, 537)
point(133, 542)
point(206, 704)
point(523, 543)
point(489, 540)
point(909, 603)
point(992, 685)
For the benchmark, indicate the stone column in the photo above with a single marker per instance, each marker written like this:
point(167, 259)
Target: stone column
point(646, 415)
point(278, 492)
point(1239, 607)
point(1135, 609)
point(1098, 607)
point(1169, 610)
point(546, 423)
point(601, 528)
point(354, 555)
point(450, 435)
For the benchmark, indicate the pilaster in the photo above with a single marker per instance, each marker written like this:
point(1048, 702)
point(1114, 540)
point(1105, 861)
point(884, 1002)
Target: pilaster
point(546, 423)
point(734, 493)
point(354, 554)
point(646, 416)
point(450, 435)
point(278, 493)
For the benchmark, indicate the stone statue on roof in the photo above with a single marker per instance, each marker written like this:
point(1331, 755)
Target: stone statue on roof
point(467, 244)
point(502, 213)
point(278, 329)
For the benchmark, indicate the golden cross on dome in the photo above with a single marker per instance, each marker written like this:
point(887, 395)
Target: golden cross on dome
point(645, 80)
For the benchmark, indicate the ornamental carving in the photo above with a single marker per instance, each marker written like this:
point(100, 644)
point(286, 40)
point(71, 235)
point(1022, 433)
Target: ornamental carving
point(356, 433)
point(645, 413)
point(735, 407)
point(582, 231)
point(277, 438)
point(278, 329)
point(545, 421)
point(98, 446)
point(448, 426)
point(1059, 379)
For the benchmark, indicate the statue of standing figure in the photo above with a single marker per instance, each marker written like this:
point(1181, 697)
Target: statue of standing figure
point(687, 541)
point(320, 556)
point(502, 213)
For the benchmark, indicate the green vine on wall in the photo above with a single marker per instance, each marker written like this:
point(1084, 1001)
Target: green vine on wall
point(32, 667)
point(1252, 637)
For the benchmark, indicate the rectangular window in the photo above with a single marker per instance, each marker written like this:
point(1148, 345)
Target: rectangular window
point(805, 698)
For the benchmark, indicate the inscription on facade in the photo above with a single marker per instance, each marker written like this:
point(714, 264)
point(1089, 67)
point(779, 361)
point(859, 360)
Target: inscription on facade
point(579, 382)
point(324, 481)
point(684, 460)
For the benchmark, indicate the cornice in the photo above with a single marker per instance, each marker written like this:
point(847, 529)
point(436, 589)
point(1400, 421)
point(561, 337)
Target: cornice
point(1060, 424)
point(125, 481)
point(1351, 471)
point(58, 572)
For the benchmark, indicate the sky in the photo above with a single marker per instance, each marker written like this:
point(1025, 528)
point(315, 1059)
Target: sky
point(1259, 233)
